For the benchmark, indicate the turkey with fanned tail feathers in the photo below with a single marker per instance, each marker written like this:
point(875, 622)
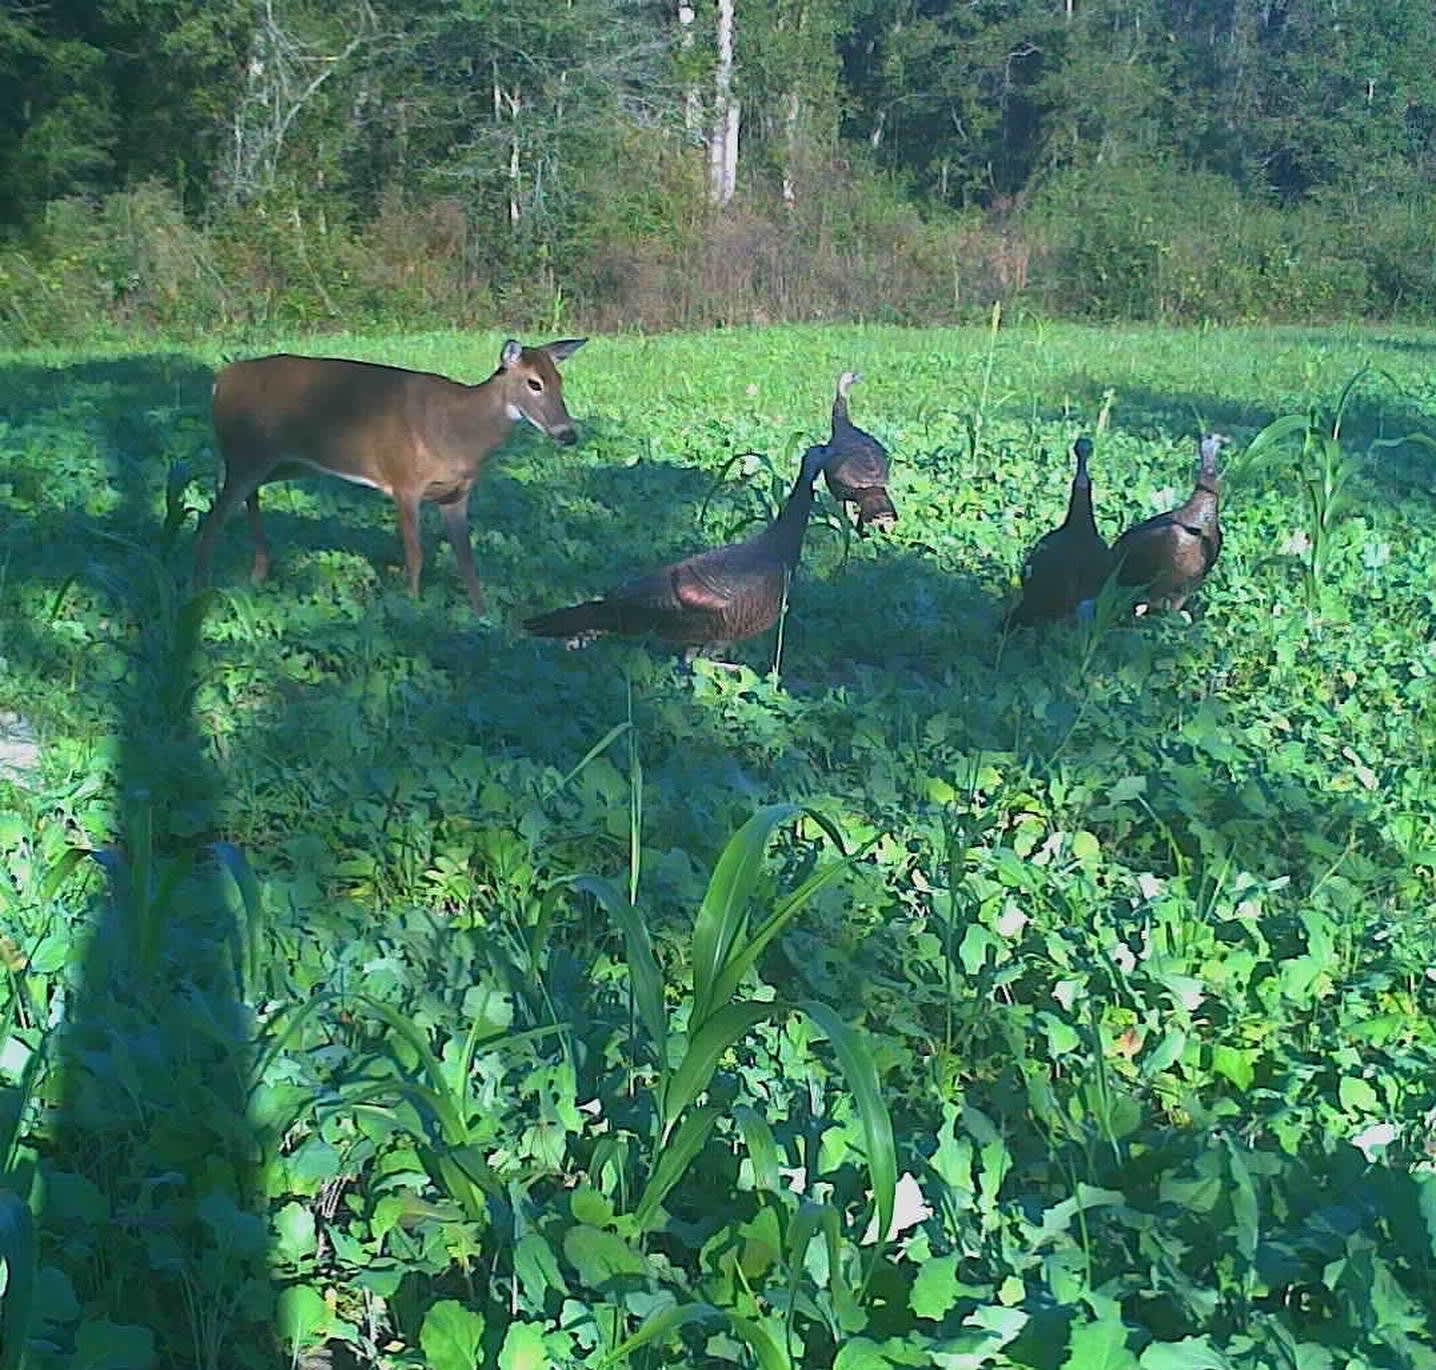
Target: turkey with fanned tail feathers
point(1065, 569)
point(709, 599)
point(857, 472)
point(1170, 555)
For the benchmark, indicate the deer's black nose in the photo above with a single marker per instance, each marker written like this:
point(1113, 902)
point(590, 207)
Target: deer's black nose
point(567, 436)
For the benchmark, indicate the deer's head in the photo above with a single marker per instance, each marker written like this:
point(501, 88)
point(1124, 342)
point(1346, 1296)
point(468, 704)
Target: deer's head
point(533, 388)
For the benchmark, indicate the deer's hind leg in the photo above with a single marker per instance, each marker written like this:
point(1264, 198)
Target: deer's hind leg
point(260, 569)
point(237, 489)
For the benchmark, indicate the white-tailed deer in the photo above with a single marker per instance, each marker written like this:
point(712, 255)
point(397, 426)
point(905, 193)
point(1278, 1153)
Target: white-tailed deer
point(413, 435)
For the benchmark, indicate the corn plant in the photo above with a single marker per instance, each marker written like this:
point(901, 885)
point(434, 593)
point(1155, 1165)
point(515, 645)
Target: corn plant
point(1324, 470)
point(146, 888)
point(725, 947)
point(443, 1112)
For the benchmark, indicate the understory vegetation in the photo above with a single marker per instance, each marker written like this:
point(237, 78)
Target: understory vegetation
point(385, 987)
point(1135, 242)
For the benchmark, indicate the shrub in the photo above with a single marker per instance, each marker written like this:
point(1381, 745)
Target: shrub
point(1113, 242)
point(1164, 243)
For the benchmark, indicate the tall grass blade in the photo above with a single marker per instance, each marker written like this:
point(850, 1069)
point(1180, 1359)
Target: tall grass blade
point(845, 1303)
point(592, 754)
point(292, 1018)
point(643, 972)
point(444, 1100)
point(251, 899)
point(175, 872)
point(664, 1324)
point(802, 1229)
point(18, 1106)
point(810, 1220)
point(60, 872)
point(762, 1149)
point(740, 960)
point(635, 803)
point(1260, 448)
point(1345, 397)
point(58, 601)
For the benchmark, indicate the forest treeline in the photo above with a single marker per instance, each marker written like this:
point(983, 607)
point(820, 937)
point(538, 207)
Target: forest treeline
point(191, 165)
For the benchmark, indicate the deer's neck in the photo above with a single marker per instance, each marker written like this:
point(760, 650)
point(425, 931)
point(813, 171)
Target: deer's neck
point(481, 416)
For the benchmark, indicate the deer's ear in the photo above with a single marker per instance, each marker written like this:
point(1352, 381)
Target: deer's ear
point(564, 348)
point(511, 353)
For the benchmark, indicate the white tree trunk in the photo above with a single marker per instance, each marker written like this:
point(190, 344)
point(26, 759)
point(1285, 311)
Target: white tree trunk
point(515, 103)
point(791, 108)
point(692, 100)
point(730, 153)
point(723, 141)
point(285, 72)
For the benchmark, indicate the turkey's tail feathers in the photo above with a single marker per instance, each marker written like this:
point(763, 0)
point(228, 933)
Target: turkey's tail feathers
point(579, 621)
point(875, 509)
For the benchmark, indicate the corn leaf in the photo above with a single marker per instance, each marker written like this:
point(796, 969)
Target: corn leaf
point(674, 1158)
point(861, 1073)
point(723, 917)
point(728, 1025)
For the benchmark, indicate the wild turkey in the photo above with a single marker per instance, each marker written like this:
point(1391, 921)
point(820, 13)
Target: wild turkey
point(709, 599)
point(1170, 555)
point(1065, 568)
point(857, 472)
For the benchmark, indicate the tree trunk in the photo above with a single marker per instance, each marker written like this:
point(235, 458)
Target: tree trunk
point(514, 103)
point(723, 141)
point(512, 100)
point(692, 101)
point(791, 107)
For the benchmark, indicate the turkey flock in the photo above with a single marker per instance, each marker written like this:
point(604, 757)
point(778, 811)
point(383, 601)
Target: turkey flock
point(714, 598)
point(421, 437)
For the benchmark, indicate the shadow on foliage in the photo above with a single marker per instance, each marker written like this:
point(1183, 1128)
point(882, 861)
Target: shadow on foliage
point(148, 1161)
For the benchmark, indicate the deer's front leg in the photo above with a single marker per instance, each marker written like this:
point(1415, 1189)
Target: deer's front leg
point(456, 524)
point(408, 508)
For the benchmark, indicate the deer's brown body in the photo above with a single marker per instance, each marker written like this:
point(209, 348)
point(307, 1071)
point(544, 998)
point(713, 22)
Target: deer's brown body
point(413, 435)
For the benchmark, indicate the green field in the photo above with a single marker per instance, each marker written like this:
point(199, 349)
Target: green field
point(387, 1013)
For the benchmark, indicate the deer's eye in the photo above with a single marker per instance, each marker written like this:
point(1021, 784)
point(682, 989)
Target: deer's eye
point(534, 385)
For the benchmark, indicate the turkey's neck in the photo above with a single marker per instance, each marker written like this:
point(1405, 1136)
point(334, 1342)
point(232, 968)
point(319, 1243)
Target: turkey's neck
point(1202, 507)
point(1079, 505)
point(792, 523)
